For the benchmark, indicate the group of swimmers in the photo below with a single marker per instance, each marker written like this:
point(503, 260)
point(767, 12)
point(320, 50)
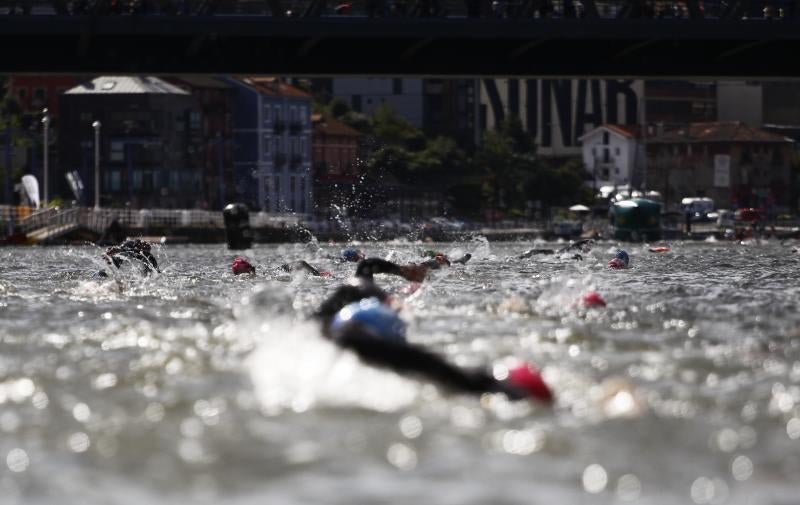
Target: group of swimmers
point(363, 318)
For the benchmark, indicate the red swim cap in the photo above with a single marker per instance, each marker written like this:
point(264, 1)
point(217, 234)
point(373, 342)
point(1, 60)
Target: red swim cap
point(242, 266)
point(529, 379)
point(592, 299)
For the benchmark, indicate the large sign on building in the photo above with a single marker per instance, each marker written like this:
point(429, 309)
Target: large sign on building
point(558, 111)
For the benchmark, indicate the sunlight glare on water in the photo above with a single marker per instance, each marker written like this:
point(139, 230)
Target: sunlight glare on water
point(195, 386)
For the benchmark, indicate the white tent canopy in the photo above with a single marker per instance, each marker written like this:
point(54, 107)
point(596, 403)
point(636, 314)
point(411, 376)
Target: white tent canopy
point(580, 208)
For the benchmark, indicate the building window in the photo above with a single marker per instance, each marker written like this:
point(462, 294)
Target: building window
point(397, 86)
point(267, 110)
point(194, 120)
point(147, 181)
point(116, 180)
point(39, 97)
point(22, 93)
point(303, 115)
point(267, 142)
point(277, 113)
point(616, 151)
point(137, 179)
point(117, 151)
point(357, 103)
point(605, 138)
point(606, 155)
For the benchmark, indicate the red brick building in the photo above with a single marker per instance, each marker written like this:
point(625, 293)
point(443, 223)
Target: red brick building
point(335, 151)
point(735, 164)
point(335, 148)
point(35, 92)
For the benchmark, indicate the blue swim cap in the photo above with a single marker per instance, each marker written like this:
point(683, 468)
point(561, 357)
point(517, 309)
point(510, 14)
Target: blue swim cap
point(623, 256)
point(373, 316)
point(352, 254)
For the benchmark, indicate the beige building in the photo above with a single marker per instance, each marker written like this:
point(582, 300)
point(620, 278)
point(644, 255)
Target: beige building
point(734, 164)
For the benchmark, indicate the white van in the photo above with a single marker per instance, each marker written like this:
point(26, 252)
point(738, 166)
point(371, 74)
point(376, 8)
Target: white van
point(698, 205)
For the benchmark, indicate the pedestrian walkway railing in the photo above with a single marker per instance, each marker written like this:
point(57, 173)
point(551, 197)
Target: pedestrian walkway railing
point(27, 219)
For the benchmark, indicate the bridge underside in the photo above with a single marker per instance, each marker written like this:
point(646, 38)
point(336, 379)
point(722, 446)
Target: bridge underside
point(429, 47)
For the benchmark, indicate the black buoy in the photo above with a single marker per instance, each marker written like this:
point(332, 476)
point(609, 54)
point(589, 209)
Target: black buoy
point(238, 234)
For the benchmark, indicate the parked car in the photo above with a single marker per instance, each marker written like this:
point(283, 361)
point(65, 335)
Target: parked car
point(725, 219)
point(699, 207)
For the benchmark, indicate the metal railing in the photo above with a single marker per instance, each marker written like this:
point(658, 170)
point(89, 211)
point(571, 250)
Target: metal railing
point(26, 220)
point(597, 9)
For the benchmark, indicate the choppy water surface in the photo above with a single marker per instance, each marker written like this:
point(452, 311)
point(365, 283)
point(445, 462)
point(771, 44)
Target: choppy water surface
point(197, 387)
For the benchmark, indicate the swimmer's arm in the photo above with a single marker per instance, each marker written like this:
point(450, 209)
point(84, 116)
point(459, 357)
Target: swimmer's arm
point(300, 265)
point(576, 245)
point(371, 266)
point(407, 358)
point(531, 252)
point(463, 260)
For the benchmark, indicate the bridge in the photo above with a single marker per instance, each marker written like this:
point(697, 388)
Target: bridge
point(444, 38)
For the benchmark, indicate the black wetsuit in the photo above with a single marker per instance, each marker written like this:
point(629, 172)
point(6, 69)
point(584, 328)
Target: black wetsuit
point(583, 245)
point(413, 272)
point(300, 266)
point(130, 250)
point(402, 357)
point(371, 266)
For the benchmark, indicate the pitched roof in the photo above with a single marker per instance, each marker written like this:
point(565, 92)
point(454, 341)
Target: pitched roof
point(122, 85)
point(734, 131)
point(200, 81)
point(272, 86)
point(329, 126)
point(627, 131)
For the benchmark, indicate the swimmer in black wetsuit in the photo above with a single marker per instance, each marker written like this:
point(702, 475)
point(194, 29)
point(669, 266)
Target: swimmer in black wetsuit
point(583, 246)
point(441, 257)
point(415, 272)
point(301, 266)
point(357, 318)
point(130, 250)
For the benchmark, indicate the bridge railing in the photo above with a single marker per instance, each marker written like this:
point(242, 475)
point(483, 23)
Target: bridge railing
point(697, 9)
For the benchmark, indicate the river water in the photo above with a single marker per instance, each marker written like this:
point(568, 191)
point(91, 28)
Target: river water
point(197, 387)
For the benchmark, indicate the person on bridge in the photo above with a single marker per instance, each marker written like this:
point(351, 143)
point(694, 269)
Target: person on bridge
point(130, 251)
point(359, 318)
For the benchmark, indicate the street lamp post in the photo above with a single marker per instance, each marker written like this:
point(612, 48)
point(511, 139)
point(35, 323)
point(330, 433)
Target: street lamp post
point(46, 175)
point(96, 125)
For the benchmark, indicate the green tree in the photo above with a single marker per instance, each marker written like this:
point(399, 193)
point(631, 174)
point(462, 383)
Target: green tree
point(507, 157)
